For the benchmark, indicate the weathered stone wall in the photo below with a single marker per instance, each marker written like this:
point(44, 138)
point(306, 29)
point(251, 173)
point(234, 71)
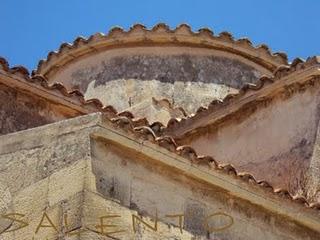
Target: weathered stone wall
point(43, 169)
point(49, 171)
point(188, 77)
point(275, 143)
point(61, 170)
point(149, 188)
point(56, 178)
point(19, 111)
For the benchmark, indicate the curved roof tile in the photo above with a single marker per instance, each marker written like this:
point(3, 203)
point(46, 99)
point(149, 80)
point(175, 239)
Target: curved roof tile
point(142, 129)
point(161, 33)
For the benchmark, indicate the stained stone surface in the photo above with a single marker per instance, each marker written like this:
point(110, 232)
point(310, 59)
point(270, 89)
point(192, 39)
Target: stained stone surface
point(20, 111)
point(187, 77)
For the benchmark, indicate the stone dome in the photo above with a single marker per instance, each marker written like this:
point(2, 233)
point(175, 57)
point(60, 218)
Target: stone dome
point(129, 69)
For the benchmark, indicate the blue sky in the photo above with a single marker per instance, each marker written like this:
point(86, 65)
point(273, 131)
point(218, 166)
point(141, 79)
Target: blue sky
point(32, 28)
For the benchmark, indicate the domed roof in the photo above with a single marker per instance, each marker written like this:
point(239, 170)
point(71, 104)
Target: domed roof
point(128, 69)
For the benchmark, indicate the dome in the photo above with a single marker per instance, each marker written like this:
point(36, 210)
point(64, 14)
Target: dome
point(131, 69)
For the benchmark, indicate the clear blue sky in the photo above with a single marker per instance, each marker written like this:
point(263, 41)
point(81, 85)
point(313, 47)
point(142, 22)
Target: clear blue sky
point(32, 28)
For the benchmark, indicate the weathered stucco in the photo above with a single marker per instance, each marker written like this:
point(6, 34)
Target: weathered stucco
point(65, 168)
point(188, 77)
point(275, 142)
point(19, 111)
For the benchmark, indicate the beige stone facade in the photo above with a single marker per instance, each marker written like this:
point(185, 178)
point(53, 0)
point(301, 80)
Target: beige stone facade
point(160, 134)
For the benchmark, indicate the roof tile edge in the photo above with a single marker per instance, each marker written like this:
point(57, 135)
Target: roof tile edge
point(142, 129)
point(261, 54)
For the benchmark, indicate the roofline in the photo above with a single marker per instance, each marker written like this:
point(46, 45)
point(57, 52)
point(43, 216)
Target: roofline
point(159, 35)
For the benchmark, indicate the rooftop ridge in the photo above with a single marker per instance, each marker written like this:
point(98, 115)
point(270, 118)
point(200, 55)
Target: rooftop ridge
point(161, 34)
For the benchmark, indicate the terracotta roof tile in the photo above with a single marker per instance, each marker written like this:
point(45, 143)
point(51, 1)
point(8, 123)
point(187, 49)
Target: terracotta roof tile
point(182, 34)
point(142, 129)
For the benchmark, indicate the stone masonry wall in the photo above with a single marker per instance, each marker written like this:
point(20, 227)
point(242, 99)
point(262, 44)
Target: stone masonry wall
point(61, 170)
